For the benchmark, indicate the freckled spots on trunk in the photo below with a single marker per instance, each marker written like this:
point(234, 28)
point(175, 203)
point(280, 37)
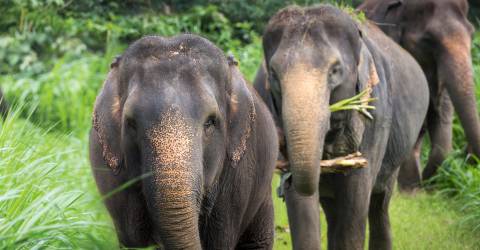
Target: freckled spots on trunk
point(172, 142)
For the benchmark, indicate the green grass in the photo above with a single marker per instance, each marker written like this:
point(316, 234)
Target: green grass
point(460, 180)
point(429, 222)
point(418, 222)
point(47, 196)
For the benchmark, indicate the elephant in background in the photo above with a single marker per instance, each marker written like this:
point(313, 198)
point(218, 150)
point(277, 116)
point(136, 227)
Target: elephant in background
point(195, 146)
point(318, 56)
point(438, 34)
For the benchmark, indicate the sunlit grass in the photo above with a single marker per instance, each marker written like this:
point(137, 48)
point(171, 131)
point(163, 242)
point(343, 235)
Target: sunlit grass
point(46, 194)
point(420, 221)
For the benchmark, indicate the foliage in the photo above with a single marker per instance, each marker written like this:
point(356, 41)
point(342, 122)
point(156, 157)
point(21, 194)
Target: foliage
point(64, 83)
point(33, 42)
point(64, 96)
point(44, 202)
point(460, 179)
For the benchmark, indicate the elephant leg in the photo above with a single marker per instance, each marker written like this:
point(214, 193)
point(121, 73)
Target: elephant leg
point(379, 221)
point(352, 198)
point(440, 130)
point(328, 205)
point(260, 232)
point(303, 218)
point(409, 176)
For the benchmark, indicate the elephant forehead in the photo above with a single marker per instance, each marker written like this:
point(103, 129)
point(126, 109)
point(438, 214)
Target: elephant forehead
point(305, 75)
point(458, 44)
point(171, 139)
point(307, 88)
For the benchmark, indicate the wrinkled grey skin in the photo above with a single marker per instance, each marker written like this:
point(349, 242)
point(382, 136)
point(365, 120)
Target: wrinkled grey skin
point(438, 34)
point(176, 119)
point(315, 57)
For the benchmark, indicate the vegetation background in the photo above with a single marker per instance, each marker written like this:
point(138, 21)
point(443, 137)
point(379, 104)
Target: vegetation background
point(54, 55)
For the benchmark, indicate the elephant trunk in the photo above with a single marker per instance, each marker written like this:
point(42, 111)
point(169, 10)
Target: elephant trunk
point(175, 214)
point(173, 188)
point(455, 72)
point(306, 118)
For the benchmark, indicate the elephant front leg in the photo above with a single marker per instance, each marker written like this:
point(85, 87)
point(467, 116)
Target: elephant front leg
point(379, 219)
point(352, 198)
point(260, 232)
point(409, 175)
point(303, 218)
point(439, 125)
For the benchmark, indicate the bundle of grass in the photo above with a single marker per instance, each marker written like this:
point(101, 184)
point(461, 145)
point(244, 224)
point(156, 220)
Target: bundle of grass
point(360, 103)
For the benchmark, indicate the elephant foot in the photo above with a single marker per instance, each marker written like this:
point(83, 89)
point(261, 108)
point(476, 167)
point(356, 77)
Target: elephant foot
point(409, 189)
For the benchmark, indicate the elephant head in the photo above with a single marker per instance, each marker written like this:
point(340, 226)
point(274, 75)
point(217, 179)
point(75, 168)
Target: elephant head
point(438, 34)
point(312, 63)
point(175, 112)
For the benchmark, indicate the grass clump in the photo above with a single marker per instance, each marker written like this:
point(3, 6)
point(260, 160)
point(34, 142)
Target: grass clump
point(460, 180)
point(43, 198)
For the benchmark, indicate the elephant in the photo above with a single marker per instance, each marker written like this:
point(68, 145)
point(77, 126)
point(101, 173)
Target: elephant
point(317, 56)
point(438, 34)
point(182, 149)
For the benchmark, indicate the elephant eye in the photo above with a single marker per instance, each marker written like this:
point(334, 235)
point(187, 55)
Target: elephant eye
point(131, 124)
point(334, 74)
point(210, 124)
point(274, 81)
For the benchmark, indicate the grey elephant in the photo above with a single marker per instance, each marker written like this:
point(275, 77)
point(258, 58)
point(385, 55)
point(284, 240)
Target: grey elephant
point(438, 34)
point(315, 57)
point(183, 149)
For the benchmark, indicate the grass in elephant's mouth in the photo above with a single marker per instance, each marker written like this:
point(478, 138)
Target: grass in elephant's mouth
point(360, 102)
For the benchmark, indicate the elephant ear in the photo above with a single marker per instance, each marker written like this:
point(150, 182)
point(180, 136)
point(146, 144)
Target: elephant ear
point(387, 14)
point(107, 119)
point(367, 71)
point(241, 113)
point(367, 79)
point(379, 10)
